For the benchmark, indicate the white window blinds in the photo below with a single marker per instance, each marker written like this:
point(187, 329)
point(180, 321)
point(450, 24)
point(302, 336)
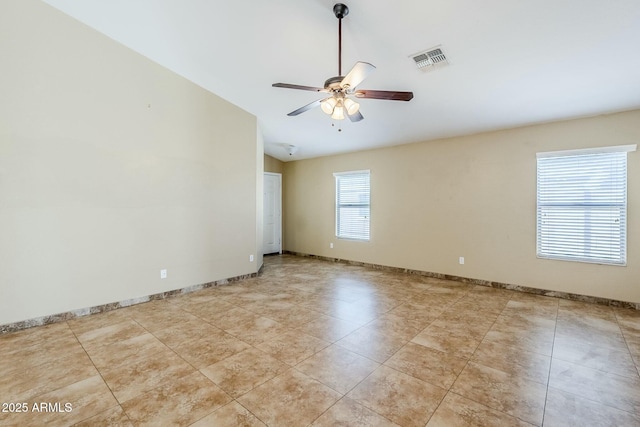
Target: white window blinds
point(582, 205)
point(353, 205)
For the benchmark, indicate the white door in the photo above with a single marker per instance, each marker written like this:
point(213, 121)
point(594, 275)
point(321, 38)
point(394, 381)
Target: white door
point(272, 242)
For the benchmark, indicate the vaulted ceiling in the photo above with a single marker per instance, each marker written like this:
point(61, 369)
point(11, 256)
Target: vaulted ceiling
point(510, 63)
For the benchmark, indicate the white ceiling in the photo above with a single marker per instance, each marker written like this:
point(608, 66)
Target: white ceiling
point(512, 63)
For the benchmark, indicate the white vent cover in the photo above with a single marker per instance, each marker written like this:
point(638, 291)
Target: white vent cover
point(430, 59)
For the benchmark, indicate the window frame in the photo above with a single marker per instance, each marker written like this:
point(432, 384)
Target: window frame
point(546, 248)
point(338, 205)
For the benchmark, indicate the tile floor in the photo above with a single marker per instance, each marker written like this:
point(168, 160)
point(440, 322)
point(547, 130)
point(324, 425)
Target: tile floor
point(316, 343)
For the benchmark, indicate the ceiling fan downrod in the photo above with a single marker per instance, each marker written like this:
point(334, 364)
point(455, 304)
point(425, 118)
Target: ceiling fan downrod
point(340, 10)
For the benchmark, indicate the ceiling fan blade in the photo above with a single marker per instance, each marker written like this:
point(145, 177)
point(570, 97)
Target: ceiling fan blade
point(299, 87)
point(358, 73)
point(384, 94)
point(355, 117)
point(309, 106)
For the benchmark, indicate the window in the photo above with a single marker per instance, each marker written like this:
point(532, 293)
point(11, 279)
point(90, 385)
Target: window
point(582, 205)
point(352, 205)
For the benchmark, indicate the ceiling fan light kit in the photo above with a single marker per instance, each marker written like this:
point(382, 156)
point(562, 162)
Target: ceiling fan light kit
point(340, 87)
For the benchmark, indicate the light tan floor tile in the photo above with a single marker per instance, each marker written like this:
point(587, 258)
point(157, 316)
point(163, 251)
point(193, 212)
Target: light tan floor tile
point(244, 371)
point(292, 317)
point(633, 344)
point(70, 404)
point(534, 308)
point(327, 328)
point(513, 360)
point(256, 330)
point(50, 350)
point(628, 320)
point(472, 326)
point(436, 298)
point(322, 303)
point(403, 399)
point(20, 340)
point(232, 415)
point(205, 302)
point(568, 410)
point(189, 330)
point(290, 399)
point(132, 379)
point(534, 335)
point(348, 413)
point(427, 364)
point(614, 360)
point(511, 394)
point(393, 325)
point(353, 312)
point(112, 417)
point(110, 333)
point(131, 350)
point(456, 411)
point(88, 323)
point(45, 377)
point(609, 389)
point(469, 312)
point(451, 341)
point(595, 331)
point(338, 368)
point(292, 347)
point(231, 318)
point(201, 344)
point(270, 305)
point(415, 315)
point(155, 316)
point(207, 351)
point(586, 309)
point(378, 302)
point(533, 298)
point(179, 403)
point(488, 297)
point(18, 345)
point(600, 318)
point(374, 343)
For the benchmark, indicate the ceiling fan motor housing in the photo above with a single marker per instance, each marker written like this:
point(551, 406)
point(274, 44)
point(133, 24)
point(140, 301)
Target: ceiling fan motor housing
point(333, 83)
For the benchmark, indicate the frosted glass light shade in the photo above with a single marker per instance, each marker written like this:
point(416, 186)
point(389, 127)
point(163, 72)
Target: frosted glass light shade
point(338, 113)
point(328, 105)
point(351, 106)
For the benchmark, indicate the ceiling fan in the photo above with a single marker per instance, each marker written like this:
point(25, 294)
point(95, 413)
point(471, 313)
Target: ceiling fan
point(343, 89)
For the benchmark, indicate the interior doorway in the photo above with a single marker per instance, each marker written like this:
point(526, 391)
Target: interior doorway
point(272, 226)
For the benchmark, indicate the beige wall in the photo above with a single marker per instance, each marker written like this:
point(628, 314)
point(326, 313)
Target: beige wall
point(271, 164)
point(112, 168)
point(471, 196)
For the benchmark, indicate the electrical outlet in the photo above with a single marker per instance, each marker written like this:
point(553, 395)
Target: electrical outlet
point(330, 245)
point(250, 258)
point(163, 274)
point(461, 260)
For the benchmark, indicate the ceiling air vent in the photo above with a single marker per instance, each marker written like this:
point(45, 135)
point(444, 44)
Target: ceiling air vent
point(430, 59)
